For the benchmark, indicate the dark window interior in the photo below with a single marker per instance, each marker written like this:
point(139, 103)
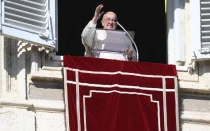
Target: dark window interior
point(146, 18)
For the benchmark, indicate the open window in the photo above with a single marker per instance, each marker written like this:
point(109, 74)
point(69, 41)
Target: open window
point(200, 29)
point(34, 21)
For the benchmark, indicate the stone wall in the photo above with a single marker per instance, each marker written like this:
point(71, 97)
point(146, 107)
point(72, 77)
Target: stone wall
point(31, 91)
point(194, 97)
point(32, 94)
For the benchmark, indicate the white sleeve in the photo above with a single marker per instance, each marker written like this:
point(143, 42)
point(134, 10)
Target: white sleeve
point(88, 34)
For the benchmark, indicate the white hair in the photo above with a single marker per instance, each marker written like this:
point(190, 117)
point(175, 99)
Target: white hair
point(109, 12)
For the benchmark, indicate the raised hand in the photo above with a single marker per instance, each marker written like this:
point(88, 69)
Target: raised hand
point(98, 13)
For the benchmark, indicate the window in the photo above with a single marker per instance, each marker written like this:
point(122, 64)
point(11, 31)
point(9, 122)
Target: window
point(200, 29)
point(34, 21)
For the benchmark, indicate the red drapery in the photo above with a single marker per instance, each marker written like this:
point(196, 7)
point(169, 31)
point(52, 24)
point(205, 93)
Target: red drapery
point(112, 95)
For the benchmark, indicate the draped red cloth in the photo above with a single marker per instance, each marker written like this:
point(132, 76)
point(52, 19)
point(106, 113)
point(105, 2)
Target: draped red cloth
point(112, 95)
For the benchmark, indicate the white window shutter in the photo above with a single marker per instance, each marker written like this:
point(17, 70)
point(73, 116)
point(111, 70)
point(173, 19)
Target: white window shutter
point(34, 21)
point(200, 29)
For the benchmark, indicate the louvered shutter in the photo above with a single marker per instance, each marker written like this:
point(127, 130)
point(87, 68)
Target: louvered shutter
point(200, 29)
point(34, 21)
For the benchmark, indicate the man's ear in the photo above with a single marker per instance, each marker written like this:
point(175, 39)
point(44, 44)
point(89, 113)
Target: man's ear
point(102, 23)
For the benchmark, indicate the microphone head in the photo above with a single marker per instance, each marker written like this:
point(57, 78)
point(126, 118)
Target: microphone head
point(117, 22)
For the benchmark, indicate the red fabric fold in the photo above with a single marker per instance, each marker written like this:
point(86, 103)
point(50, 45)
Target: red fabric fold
point(139, 96)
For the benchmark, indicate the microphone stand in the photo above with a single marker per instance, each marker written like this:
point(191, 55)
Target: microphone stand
point(137, 53)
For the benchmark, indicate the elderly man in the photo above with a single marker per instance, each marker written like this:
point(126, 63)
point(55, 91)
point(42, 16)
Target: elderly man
point(108, 22)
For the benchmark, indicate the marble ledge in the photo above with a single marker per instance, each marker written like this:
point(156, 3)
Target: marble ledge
point(196, 117)
point(36, 105)
point(194, 88)
point(48, 75)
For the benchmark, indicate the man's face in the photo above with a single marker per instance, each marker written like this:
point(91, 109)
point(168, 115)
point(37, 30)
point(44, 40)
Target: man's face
point(109, 21)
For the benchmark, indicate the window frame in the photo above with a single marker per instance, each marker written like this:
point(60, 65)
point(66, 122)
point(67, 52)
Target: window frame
point(30, 36)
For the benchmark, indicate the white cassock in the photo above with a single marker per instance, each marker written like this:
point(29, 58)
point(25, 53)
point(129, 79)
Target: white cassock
point(94, 43)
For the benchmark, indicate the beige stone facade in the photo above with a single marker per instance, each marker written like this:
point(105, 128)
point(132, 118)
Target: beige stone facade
point(193, 76)
point(32, 91)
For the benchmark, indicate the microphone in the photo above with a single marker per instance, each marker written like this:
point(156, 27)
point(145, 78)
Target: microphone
point(137, 53)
